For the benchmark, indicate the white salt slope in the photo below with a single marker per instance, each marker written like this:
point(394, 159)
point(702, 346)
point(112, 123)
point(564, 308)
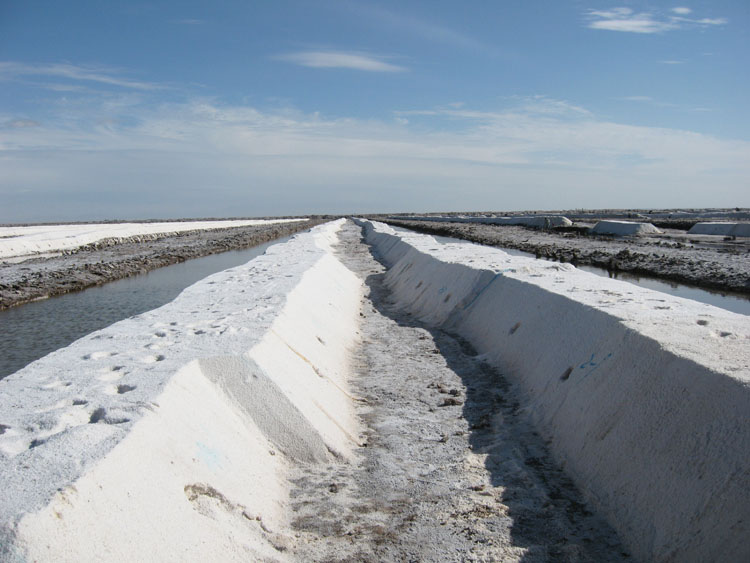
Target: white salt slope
point(721, 229)
point(21, 241)
point(624, 228)
point(167, 436)
point(644, 397)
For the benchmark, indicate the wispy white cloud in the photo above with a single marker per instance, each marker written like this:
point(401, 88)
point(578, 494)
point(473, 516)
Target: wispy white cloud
point(419, 27)
point(539, 106)
point(80, 73)
point(400, 21)
point(531, 152)
point(627, 20)
point(637, 98)
point(341, 59)
point(709, 21)
point(651, 101)
point(20, 123)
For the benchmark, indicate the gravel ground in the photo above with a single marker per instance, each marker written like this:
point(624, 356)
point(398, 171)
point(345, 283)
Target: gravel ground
point(99, 263)
point(451, 470)
point(698, 260)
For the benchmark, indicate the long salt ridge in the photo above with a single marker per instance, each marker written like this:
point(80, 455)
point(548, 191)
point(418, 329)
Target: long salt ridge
point(169, 435)
point(645, 397)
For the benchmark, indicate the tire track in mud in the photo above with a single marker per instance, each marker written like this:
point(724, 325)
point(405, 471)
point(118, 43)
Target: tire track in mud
point(451, 470)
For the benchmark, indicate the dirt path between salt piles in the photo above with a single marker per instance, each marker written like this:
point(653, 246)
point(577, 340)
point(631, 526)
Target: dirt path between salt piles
point(698, 260)
point(106, 261)
point(451, 472)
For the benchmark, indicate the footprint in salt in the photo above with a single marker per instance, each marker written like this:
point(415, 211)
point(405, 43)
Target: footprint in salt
point(57, 384)
point(101, 415)
point(159, 345)
point(98, 355)
point(112, 373)
point(153, 358)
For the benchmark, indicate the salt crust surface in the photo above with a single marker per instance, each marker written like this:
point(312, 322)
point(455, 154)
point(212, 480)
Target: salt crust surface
point(645, 397)
point(721, 229)
point(168, 435)
point(21, 241)
point(539, 221)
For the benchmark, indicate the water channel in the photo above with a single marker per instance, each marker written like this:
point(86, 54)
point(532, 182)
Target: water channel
point(33, 330)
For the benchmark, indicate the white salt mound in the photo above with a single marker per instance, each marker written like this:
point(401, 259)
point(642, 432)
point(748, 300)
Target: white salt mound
point(169, 436)
point(721, 229)
point(644, 397)
point(624, 228)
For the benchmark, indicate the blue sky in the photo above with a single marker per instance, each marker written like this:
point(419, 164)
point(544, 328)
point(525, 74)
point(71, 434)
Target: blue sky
point(233, 108)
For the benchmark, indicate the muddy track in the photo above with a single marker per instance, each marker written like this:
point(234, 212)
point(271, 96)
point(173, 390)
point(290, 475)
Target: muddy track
point(700, 261)
point(107, 261)
point(451, 471)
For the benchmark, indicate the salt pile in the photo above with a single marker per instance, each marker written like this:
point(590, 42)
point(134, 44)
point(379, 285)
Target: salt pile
point(644, 397)
point(721, 229)
point(169, 435)
point(624, 228)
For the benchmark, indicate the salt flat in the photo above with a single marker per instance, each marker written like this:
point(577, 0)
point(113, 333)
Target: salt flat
point(460, 403)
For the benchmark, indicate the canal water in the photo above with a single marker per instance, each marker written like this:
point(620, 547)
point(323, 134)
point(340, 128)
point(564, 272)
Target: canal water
point(33, 330)
point(728, 301)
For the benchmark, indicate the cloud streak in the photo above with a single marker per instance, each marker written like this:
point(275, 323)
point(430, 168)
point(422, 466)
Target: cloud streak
point(351, 60)
point(627, 20)
point(79, 73)
point(533, 150)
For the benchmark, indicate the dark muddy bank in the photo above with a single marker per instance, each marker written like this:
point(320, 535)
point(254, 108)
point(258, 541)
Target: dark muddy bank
point(701, 261)
point(105, 261)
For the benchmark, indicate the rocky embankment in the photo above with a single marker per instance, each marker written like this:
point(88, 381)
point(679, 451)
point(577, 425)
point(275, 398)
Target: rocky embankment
point(110, 260)
point(703, 261)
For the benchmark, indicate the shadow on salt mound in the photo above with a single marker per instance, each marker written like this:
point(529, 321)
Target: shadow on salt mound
point(721, 229)
point(256, 396)
point(624, 228)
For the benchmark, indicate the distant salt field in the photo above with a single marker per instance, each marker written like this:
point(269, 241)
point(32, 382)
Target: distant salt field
point(22, 241)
